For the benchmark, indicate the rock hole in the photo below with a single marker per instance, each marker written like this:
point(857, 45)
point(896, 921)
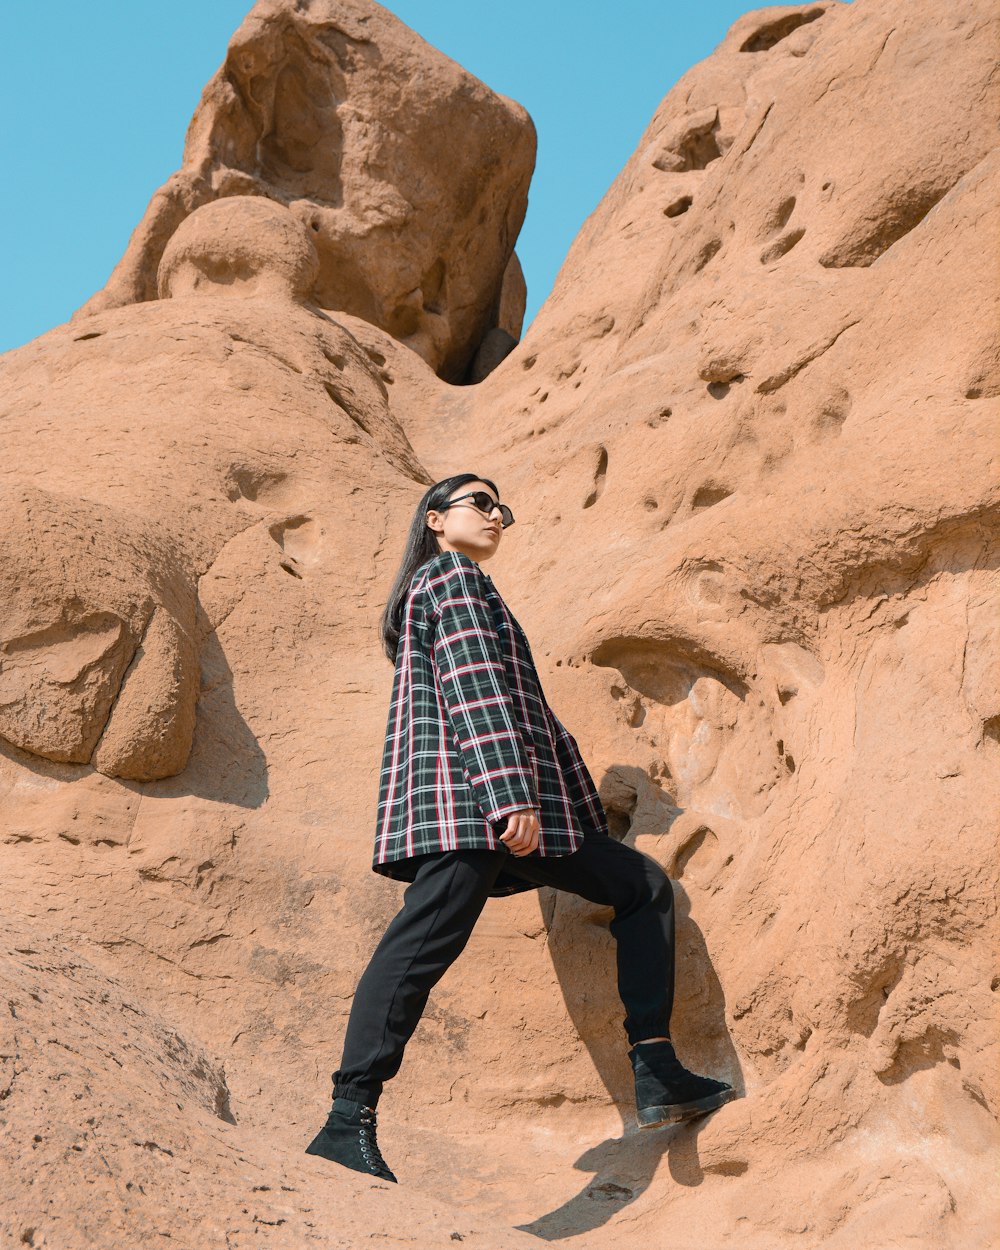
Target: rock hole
point(708, 496)
point(340, 362)
point(650, 505)
point(709, 250)
point(636, 713)
point(691, 848)
point(780, 216)
point(244, 482)
point(619, 814)
point(222, 271)
point(991, 728)
point(300, 541)
point(903, 213)
point(528, 362)
point(608, 1191)
point(696, 147)
point(678, 206)
point(719, 390)
point(765, 37)
point(600, 473)
point(374, 356)
point(659, 418)
point(781, 246)
point(92, 334)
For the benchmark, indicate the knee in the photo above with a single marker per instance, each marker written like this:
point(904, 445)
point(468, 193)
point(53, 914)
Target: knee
point(658, 884)
point(645, 884)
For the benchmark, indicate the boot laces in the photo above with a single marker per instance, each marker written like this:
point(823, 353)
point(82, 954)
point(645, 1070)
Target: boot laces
point(369, 1144)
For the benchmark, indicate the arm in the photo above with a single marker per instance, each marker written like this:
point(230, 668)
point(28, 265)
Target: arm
point(467, 659)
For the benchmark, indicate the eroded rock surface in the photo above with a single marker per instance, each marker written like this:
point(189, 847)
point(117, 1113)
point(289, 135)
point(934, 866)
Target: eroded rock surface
point(98, 655)
point(410, 174)
point(750, 443)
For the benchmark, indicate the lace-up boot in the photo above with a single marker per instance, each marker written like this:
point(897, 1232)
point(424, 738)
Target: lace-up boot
point(666, 1092)
point(348, 1137)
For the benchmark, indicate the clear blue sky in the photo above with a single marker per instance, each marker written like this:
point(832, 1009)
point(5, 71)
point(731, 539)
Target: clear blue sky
point(96, 97)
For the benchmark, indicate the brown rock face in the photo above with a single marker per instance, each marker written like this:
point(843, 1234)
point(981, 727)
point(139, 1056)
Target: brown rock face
point(750, 442)
point(99, 655)
point(410, 174)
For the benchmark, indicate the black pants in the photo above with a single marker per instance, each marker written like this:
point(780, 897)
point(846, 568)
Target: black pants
point(440, 908)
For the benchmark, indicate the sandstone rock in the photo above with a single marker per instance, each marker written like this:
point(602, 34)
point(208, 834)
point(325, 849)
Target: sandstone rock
point(513, 296)
point(98, 659)
point(240, 245)
point(496, 346)
point(750, 443)
point(410, 175)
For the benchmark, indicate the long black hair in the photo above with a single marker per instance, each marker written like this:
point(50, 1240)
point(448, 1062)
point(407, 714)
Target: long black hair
point(421, 546)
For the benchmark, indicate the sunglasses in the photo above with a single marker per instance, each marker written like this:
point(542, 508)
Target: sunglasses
point(484, 503)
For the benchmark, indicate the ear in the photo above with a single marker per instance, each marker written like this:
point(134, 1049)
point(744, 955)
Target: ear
point(434, 521)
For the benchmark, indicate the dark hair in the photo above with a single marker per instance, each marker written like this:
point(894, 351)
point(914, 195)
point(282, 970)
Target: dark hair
point(421, 546)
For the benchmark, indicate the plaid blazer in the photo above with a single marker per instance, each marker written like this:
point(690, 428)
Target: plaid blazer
point(470, 737)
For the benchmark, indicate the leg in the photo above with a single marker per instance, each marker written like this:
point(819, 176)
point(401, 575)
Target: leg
point(606, 871)
point(440, 909)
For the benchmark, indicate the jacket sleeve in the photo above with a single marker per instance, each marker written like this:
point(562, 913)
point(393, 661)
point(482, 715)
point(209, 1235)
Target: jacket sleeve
point(466, 655)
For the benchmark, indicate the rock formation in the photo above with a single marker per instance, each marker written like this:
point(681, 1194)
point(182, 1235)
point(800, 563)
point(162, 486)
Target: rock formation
point(750, 443)
point(410, 174)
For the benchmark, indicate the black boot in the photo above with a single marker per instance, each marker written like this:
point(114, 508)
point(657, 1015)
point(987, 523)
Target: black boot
point(348, 1137)
point(666, 1092)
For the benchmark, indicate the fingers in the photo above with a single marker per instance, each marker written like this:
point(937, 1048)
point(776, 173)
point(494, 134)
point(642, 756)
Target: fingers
point(521, 834)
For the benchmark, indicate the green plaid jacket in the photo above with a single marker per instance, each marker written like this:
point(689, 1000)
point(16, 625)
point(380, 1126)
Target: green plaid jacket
point(470, 737)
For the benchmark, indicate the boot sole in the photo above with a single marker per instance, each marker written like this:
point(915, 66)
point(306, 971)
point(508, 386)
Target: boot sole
point(650, 1117)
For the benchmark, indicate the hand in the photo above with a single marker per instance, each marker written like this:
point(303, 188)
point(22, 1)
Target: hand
point(521, 834)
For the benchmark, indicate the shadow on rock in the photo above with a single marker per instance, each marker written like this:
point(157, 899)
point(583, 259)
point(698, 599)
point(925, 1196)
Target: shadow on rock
point(584, 957)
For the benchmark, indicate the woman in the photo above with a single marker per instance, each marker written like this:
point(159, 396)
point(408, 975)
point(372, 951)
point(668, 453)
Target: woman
point(483, 793)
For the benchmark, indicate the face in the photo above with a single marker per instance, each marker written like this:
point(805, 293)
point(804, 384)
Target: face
point(463, 527)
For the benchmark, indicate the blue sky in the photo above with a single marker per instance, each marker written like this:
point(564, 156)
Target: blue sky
point(97, 96)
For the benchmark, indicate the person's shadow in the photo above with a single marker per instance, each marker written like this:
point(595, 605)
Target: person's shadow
point(583, 954)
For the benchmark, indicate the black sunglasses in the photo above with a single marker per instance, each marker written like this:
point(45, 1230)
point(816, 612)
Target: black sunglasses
point(484, 503)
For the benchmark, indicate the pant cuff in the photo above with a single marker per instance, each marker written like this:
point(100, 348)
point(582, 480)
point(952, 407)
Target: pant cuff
point(367, 1096)
point(635, 1035)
